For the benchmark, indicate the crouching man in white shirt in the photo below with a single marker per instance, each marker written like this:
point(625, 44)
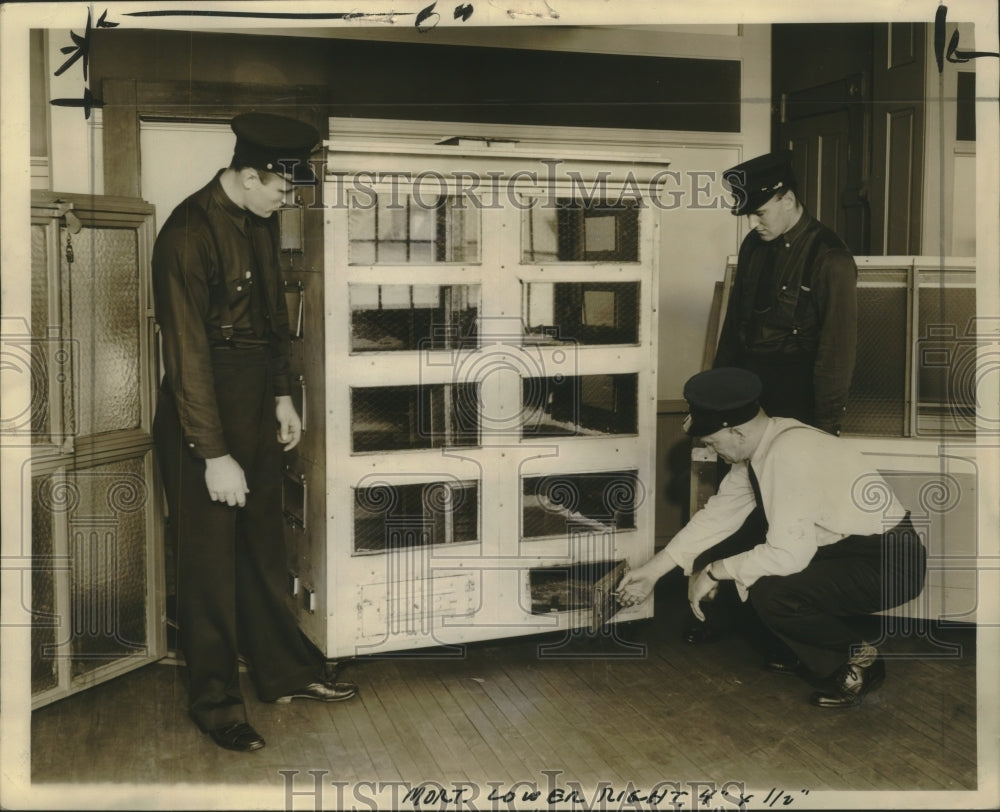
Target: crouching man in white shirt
point(826, 555)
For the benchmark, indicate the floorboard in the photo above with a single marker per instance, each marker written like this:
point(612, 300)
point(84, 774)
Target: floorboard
point(547, 711)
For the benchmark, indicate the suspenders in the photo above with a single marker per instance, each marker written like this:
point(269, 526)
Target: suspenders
point(219, 293)
point(819, 241)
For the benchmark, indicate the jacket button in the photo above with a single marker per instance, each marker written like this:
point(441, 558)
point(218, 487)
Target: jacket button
point(239, 287)
point(248, 274)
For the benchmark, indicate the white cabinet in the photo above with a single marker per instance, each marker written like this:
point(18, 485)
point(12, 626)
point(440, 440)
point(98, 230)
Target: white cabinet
point(486, 384)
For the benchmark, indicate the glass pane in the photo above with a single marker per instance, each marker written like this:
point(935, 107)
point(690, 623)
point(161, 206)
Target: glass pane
point(580, 405)
point(40, 422)
point(396, 229)
point(393, 516)
point(106, 313)
point(107, 542)
point(578, 231)
point(396, 418)
point(580, 312)
point(563, 504)
point(413, 317)
point(44, 673)
point(877, 403)
point(946, 360)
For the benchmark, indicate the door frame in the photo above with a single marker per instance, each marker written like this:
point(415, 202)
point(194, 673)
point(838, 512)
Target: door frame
point(128, 101)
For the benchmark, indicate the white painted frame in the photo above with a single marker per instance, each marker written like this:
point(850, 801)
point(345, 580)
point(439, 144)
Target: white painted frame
point(487, 578)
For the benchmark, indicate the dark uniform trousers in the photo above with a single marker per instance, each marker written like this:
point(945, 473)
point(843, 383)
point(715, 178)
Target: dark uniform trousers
point(787, 381)
point(858, 575)
point(231, 560)
point(806, 611)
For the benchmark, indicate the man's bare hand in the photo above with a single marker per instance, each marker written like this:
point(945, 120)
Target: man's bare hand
point(635, 586)
point(700, 587)
point(289, 422)
point(225, 481)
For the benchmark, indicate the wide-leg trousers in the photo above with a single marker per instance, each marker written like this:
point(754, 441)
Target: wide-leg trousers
point(858, 575)
point(231, 561)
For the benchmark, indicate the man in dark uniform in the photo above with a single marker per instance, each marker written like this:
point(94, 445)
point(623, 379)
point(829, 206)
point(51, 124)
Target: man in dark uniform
point(223, 415)
point(822, 555)
point(792, 314)
point(791, 319)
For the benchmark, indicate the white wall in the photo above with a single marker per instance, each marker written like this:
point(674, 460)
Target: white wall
point(206, 148)
point(76, 158)
point(698, 236)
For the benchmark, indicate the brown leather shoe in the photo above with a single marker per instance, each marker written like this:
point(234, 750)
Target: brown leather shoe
point(850, 684)
point(237, 736)
point(323, 692)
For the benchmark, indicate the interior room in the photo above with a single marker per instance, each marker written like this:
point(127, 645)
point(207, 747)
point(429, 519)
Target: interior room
point(518, 250)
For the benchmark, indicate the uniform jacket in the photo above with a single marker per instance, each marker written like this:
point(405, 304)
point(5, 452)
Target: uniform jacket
point(207, 260)
point(810, 309)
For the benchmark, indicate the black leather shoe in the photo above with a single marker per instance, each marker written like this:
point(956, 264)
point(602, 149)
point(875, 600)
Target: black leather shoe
point(850, 684)
point(237, 736)
point(323, 692)
point(783, 665)
point(701, 633)
point(782, 662)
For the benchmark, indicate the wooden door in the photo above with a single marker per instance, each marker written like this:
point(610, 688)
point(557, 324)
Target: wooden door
point(826, 128)
point(898, 88)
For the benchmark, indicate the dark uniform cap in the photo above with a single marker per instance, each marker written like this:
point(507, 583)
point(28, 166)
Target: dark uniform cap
point(275, 144)
point(756, 181)
point(720, 398)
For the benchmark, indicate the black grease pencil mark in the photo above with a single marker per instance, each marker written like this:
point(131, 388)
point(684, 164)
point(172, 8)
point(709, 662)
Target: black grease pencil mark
point(953, 55)
point(88, 102)
point(81, 45)
point(463, 11)
point(265, 15)
point(80, 51)
point(425, 15)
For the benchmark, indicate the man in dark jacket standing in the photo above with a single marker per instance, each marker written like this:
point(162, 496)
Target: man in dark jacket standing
point(792, 314)
point(223, 415)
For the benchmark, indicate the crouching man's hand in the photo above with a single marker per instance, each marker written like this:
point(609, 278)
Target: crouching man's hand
point(701, 587)
point(636, 586)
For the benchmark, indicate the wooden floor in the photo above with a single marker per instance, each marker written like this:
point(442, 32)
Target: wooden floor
point(511, 712)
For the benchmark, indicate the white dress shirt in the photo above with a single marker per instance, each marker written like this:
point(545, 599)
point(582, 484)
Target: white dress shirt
point(816, 490)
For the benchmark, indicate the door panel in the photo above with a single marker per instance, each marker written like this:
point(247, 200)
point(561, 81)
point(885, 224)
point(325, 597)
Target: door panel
point(898, 87)
point(826, 137)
